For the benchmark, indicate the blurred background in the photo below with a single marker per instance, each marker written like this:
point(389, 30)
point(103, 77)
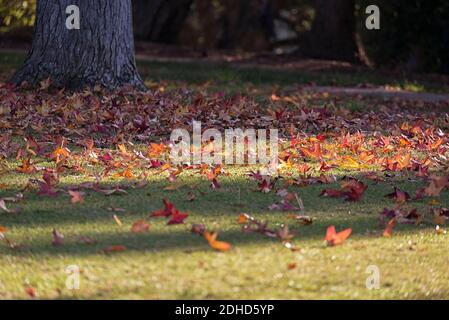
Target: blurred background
point(413, 36)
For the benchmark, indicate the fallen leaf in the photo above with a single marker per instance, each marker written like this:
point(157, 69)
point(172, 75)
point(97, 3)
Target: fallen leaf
point(216, 245)
point(86, 240)
point(291, 266)
point(140, 226)
point(114, 192)
point(77, 196)
point(388, 232)
point(191, 197)
point(440, 230)
point(398, 195)
point(112, 249)
point(333, 238)
point(166, 212)
point(173, 187)
point(304, 220)
point(198, 229)
point(351, 190)
point(58, 238)
point(284, 233)
point(117, 220)
point(290, 246)
point(177, 217)
point(243, 218)
point(4, 208)
point(440, 216)
point(31, 292)
point(437, 184)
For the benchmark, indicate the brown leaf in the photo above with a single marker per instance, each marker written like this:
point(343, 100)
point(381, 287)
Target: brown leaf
point(140, 226)
point(113, 249)
point(291, 266)
point(284, 233)
point(114, 192)
point(58, 238)
point(398, 195)
point(292, 247)
point(30, 291)
point(4, 208)
point(304, 220)
point(437, 184)
point(77, 196)
point(198, 229)
point(86, 240)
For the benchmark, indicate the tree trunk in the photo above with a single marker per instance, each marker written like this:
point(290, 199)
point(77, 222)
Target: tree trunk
point(333, 31)
point(247, 25)
point(101, 52)
point(159, 20)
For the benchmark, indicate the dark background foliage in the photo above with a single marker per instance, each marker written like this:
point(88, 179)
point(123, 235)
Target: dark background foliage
point(413, 36)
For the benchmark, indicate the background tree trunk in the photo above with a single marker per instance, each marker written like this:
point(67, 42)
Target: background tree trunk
point(159, 20)
point(333, 31)
point(247, 25)
point(101, 52)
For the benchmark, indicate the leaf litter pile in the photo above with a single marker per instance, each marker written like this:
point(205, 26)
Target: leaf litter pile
point(125, 136)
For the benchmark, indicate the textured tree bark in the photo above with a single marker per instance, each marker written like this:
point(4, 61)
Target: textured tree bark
point(333, 31)
point(159, 20)
point(101, 52)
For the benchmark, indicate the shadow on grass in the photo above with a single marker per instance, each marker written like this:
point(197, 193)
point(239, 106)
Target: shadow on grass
point(217, 209)
point(235, 76)
point(180, 238)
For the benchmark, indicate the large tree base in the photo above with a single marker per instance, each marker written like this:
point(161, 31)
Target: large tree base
point(101, 52)
point(33, 73)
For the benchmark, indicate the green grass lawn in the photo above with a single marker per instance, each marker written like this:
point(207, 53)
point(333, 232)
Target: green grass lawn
point(170, 262)
point(222, 76)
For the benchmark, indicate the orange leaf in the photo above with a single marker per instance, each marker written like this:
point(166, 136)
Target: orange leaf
point(314, 153)
point(243, 219)
point(60, 152)
point(116, 248)
point(117, 220)
point(216, 245)
point(127, 173)
point(291, 266)
point(388, 232)
point(26, 166)
point(155, 150)
point(333, 238)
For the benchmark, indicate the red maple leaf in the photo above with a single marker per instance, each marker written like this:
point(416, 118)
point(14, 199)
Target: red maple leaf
point(177, 217)
point(166, 212)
